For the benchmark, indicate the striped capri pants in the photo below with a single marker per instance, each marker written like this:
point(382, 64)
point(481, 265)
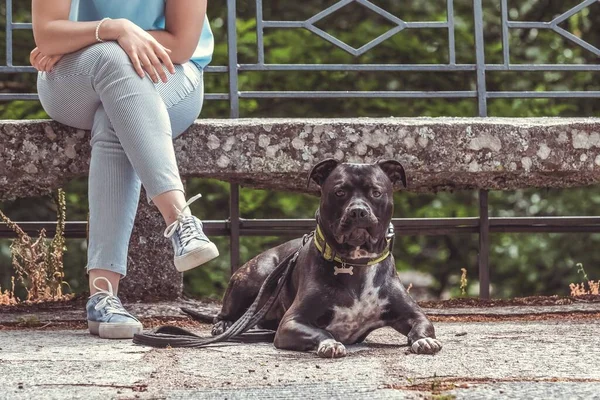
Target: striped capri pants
point(133, 123)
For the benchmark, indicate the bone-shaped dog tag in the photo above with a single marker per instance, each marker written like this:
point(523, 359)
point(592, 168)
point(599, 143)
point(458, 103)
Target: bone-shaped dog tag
point(343, 270)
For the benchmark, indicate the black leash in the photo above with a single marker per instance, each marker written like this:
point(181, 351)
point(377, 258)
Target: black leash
point(173, 336)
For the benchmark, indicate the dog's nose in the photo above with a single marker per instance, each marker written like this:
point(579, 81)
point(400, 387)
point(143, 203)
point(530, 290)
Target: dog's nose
point(358, 213)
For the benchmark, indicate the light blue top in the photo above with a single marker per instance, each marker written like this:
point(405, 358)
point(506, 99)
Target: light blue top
point(147, 14)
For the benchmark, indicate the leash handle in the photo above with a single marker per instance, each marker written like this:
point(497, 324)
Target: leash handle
point(173, 336)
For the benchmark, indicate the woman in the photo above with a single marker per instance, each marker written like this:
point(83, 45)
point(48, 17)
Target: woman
point(131, 72)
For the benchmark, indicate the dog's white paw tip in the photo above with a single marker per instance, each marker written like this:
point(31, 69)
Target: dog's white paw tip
point(331, 349)
point(426, 346)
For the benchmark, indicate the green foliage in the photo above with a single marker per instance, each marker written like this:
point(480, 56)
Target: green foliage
point(521, 264)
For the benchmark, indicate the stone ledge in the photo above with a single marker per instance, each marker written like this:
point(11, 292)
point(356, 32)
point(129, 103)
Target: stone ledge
point(438, 153)
point(75, 311)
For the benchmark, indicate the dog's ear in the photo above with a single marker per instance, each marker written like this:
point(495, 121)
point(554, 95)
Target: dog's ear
point(394, 170)
point(321, 171)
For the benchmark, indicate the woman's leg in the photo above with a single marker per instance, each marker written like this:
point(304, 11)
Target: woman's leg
point(184, 99)
point(113, 193)
point(114, 187)
point(132, 125)
point(96, 88)
point(133, 122)
point(191, 246)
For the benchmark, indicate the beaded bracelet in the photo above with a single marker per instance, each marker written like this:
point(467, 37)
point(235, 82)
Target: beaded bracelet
point(98, 29)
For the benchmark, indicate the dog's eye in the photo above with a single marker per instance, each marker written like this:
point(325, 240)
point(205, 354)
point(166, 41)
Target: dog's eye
point(376, 193)
point(340, 193)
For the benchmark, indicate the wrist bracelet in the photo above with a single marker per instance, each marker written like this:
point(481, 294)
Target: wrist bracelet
point(98, 29)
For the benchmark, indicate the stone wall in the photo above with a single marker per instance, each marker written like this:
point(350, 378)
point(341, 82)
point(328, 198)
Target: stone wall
point(438, 153)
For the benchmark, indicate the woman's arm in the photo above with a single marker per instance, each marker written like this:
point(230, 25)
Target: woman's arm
point(55, 35)
point(183, 26)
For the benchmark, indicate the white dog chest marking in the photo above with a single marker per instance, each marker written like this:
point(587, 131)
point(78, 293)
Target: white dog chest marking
point(350, 323)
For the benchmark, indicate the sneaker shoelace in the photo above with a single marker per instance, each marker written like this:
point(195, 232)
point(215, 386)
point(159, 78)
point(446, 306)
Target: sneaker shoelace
point(184, 224)
point(109, 302)
point(187, 231)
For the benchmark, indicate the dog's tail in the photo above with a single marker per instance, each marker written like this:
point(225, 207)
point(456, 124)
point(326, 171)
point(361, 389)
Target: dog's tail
point(200, 317)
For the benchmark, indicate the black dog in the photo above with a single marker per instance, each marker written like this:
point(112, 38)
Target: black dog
point(344, 284)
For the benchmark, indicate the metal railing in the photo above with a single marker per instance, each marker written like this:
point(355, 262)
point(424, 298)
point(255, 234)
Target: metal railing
point(483, 225)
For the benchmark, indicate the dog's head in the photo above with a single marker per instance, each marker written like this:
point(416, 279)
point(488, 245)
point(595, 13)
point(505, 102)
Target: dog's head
point(356, 204)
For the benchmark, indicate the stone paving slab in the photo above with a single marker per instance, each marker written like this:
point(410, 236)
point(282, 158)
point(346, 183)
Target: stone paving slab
point(530, 390)
point(516, 310)
point(479, 360)
point(305, 391)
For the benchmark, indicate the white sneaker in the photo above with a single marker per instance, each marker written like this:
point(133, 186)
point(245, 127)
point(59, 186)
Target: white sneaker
point(107, 317)
point(191, 246)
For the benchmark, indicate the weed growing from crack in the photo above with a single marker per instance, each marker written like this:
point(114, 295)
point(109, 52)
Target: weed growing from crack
point(7, 298)
point(463, 282)
point(38, 264)
point(578, 289)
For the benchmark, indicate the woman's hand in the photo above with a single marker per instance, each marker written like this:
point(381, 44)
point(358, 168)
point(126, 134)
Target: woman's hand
point(42, 62)
point(145, 52)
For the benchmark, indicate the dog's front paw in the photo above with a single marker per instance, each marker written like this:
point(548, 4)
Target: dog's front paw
point(220, 327)
point(426, 346)
point(331, 349)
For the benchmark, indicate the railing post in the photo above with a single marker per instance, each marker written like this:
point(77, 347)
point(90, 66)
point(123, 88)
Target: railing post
point(234, 221)
point(234, 105)
point(234, 112)
point(451, 38)
point(505, 37)
point(484, 221)
point(480, 58)
point(484, 246)
point(9, 36)
point(259, 32)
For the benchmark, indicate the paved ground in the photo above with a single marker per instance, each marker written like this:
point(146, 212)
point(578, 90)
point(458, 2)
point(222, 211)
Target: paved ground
point(541, 359)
